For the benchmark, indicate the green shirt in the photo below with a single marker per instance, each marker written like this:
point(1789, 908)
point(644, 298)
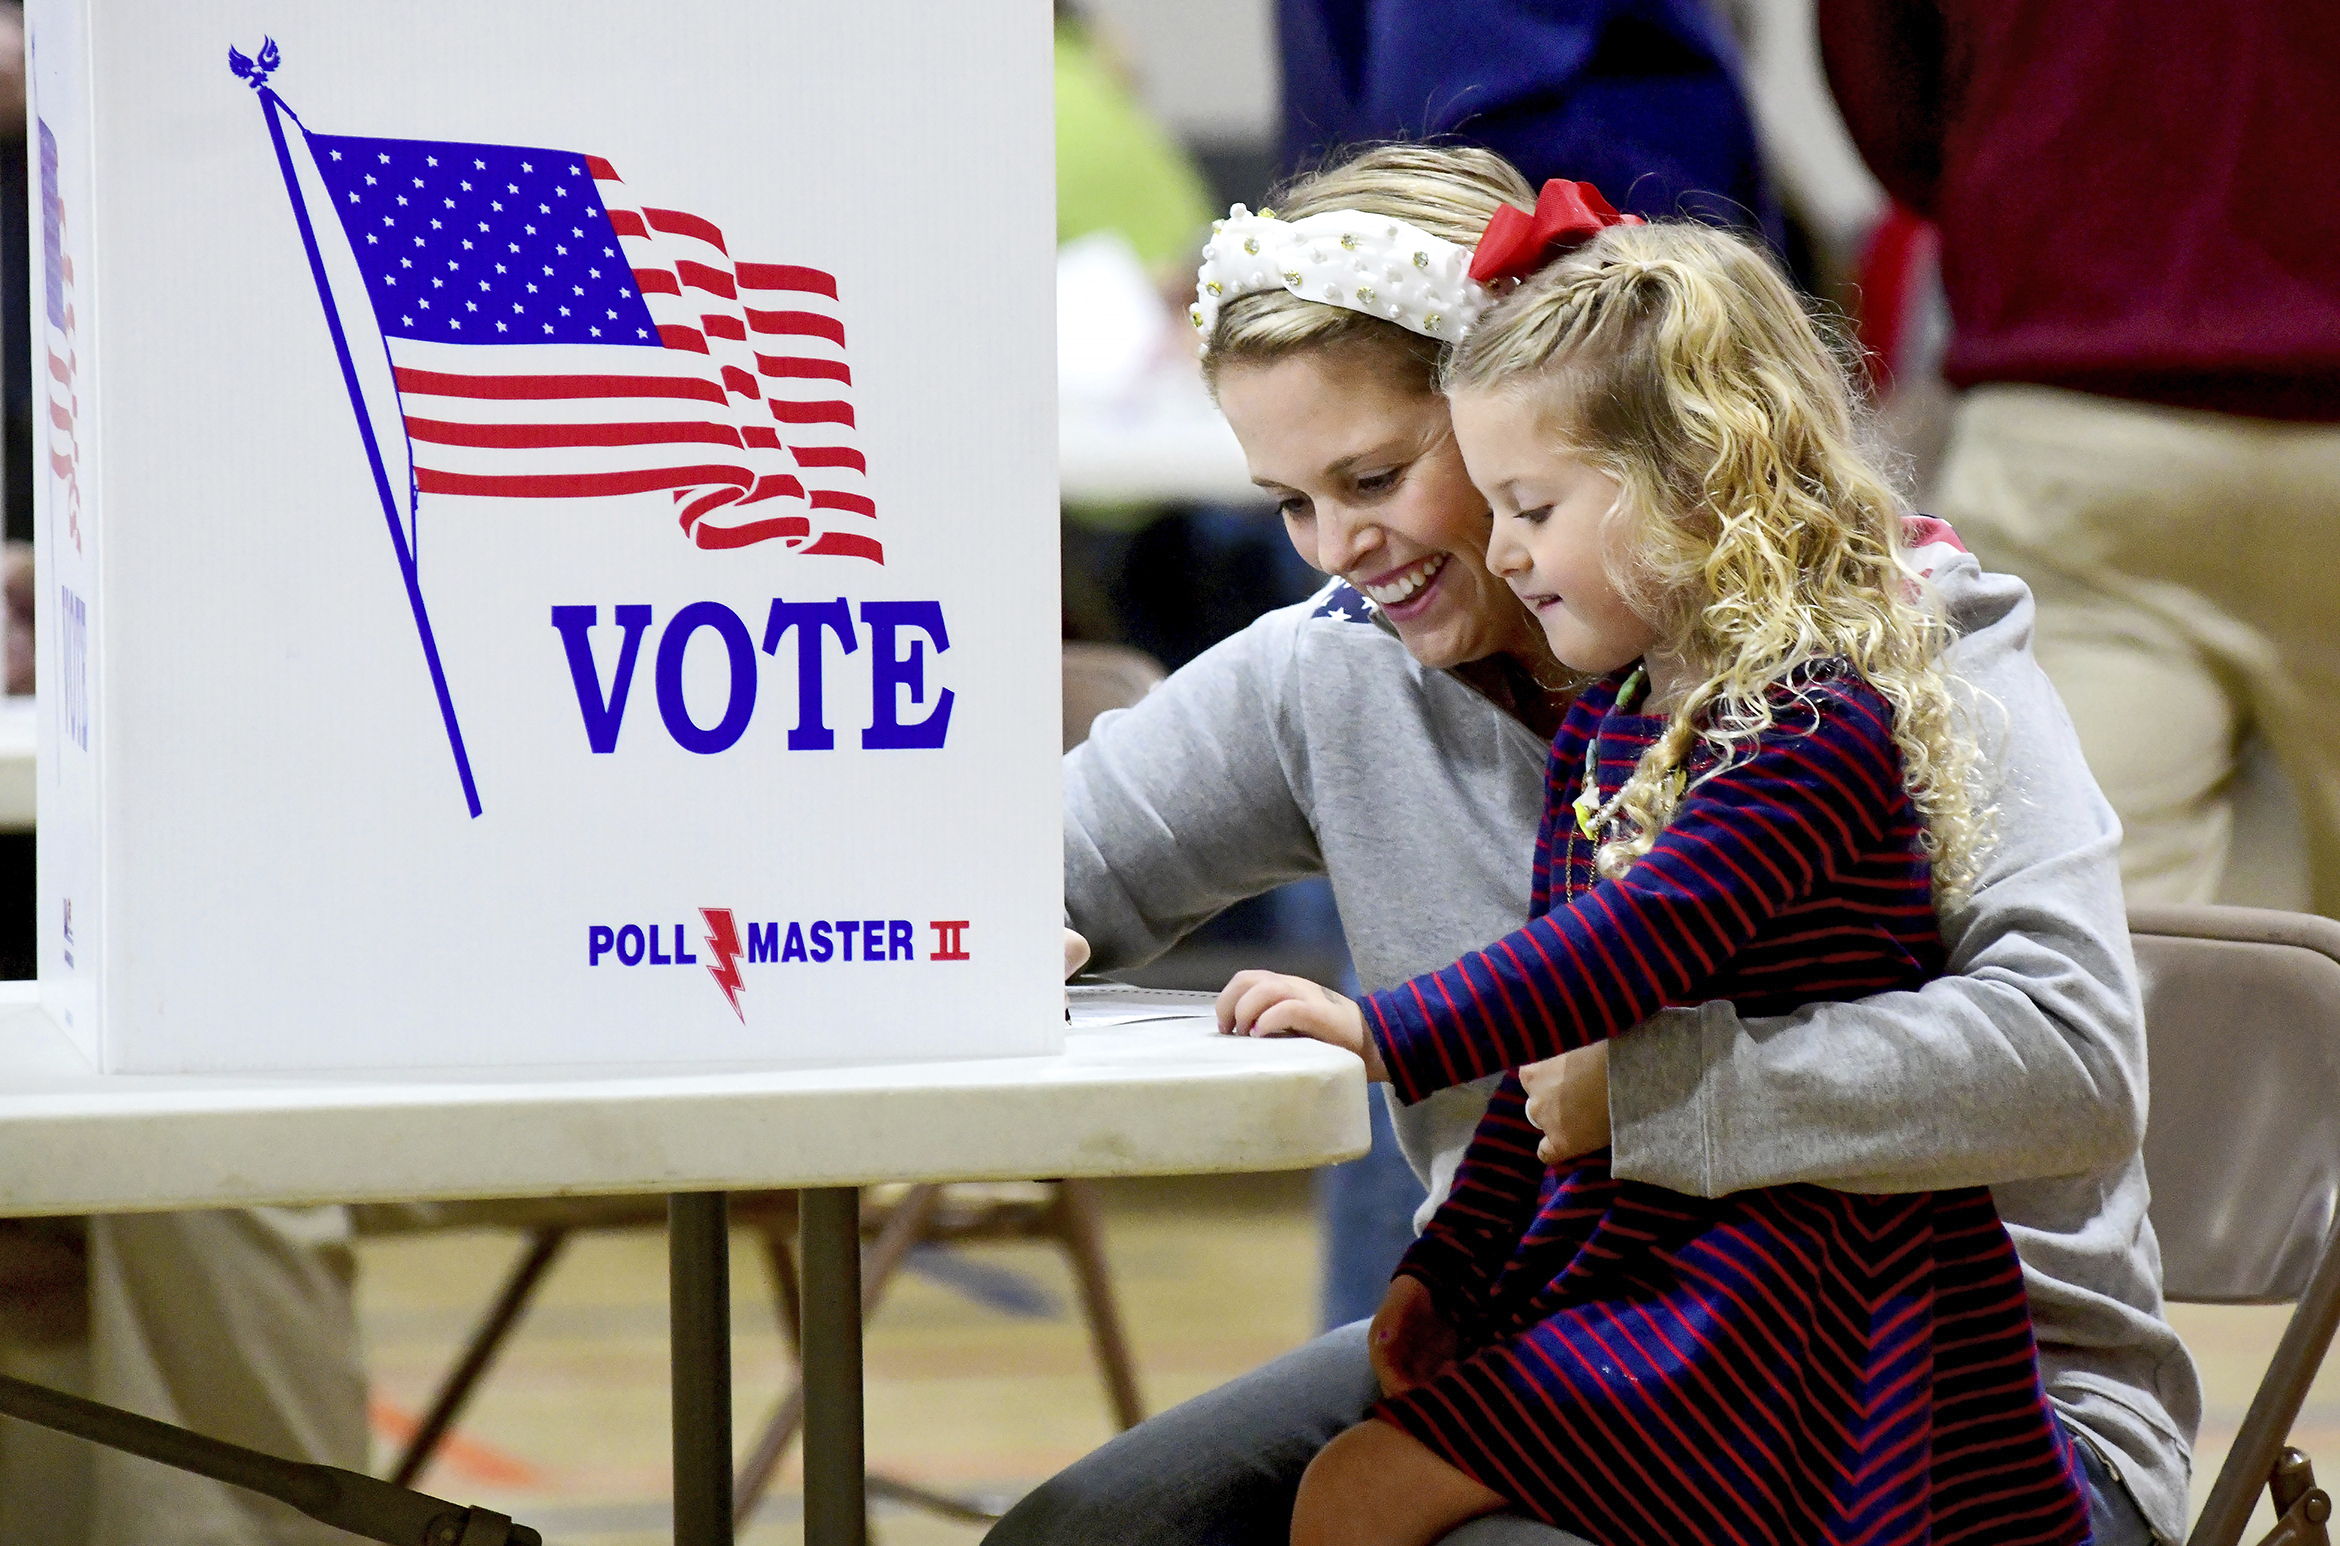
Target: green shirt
point(1116, 168)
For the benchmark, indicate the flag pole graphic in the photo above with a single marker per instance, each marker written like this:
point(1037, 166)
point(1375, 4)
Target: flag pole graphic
point(255, 74)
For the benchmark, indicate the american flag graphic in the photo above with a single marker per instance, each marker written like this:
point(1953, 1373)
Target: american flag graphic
point(553, 337)
point(64, 362)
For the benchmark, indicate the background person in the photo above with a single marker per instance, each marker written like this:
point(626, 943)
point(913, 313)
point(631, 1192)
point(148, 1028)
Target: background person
point(2150, 352)
point(237, 1324)
point(1642, 98)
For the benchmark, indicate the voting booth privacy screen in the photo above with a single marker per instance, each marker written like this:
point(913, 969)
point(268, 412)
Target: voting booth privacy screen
point(546, 531)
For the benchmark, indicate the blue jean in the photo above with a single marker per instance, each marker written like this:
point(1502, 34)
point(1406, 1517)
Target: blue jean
point(1222, 1469)
point(1365, 1211)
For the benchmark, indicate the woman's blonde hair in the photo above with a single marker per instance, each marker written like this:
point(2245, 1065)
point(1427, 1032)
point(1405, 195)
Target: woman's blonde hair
point(1450, 191)
point(1764, 542)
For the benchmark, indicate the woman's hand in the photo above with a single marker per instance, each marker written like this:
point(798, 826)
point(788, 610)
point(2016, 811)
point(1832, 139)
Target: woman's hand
point(1409, 1342)
point(1271, 1004)
point(1076, 953)
point(1568, 1100)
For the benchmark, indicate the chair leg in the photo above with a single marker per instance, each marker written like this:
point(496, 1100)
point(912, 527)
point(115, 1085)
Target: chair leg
point(880, 1261)
point(2302, 1507)
point(544, 1247)
point(2256, 1457)
point(780, 1253)
point(968, 1511)
point(1082, 1234)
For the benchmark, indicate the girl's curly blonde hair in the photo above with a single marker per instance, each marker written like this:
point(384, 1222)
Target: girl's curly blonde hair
point(1676, 359)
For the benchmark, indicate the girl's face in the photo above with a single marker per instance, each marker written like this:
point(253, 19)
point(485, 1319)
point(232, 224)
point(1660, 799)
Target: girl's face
point(1553, 541)
point(1371, 489)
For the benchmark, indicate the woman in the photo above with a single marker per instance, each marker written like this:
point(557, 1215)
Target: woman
point(1401, 753)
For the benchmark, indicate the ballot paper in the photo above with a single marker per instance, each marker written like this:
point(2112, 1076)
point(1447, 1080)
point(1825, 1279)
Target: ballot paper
point(1103, 1006)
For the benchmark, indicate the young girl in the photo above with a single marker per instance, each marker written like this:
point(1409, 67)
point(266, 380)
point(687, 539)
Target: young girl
point(1763, 798)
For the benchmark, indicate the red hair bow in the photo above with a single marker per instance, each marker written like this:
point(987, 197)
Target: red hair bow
point(1516, 244)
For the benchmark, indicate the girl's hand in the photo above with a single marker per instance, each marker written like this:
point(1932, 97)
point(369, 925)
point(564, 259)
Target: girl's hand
point(1076, 953)
point(1568, 1099)
point(1409, 1341)
point(1271, 1004)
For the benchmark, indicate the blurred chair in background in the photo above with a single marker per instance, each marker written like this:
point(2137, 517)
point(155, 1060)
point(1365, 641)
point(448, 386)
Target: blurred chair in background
point(2145, 307)
point(901, 1226)
point(2244, 1158)
point(1099, 677)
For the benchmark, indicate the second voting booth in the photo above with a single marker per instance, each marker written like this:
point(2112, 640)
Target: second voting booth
point(546, 531)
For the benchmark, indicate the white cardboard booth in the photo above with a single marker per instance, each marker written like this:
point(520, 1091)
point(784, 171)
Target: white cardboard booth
point(547, 547)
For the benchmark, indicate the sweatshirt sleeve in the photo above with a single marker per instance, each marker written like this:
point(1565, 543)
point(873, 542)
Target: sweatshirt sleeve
point(1746, 843)
point(1187, 803)
point(1479, 1222)
point(2026, 1059)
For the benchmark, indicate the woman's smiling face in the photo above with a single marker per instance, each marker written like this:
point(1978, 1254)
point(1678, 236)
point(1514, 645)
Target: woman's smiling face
point(1372, 489)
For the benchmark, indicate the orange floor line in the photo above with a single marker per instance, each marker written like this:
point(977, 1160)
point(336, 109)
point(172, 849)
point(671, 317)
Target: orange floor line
point(477, 1462)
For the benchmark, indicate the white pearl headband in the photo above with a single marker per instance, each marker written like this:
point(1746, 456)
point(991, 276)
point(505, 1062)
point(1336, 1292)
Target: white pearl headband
point(1364, 263)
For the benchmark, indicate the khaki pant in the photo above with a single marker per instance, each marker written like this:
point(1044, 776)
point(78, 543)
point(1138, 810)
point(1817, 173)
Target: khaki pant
point(2187, 567)
point(238, 1325)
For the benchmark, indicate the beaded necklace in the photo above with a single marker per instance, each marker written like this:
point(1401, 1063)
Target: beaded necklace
point(1591, 812)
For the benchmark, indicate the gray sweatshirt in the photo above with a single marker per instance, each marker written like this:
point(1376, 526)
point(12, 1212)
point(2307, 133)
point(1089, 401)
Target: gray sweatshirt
point(1314, 743)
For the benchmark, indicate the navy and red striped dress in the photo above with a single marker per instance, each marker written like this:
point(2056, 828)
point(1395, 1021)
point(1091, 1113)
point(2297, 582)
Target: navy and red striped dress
point(1791, 1365)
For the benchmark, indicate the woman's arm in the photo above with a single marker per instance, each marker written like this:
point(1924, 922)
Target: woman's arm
point(1745, 844)
point(2027, 1059)
point(1186, 803)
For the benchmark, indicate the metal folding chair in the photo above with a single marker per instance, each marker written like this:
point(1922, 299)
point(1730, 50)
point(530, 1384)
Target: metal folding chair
point(2242, 1018)
point(1063, 1213)
point(1098, 677)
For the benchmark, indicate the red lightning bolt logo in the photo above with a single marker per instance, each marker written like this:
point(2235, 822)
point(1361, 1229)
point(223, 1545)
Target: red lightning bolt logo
point(723, 947)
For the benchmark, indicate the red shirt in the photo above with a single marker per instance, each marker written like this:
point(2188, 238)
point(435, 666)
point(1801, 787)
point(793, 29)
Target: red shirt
point(2139, 198)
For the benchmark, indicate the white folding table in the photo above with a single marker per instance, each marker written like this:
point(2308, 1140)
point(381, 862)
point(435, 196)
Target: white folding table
point(1143, 1087)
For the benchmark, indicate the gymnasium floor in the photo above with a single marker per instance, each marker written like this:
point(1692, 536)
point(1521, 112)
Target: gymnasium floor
point(979, 1374)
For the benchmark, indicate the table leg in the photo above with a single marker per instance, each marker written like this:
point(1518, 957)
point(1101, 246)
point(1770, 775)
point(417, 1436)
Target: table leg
point(698, 1265)
point(835, 1504)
